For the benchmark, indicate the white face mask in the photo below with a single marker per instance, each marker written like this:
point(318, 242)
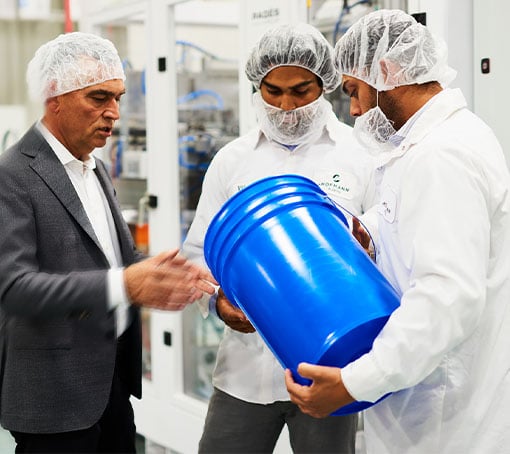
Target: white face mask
point(373, 130)
point(292, 127)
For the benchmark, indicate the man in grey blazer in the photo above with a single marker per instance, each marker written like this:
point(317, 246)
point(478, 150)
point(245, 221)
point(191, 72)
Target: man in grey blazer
point(70, 278)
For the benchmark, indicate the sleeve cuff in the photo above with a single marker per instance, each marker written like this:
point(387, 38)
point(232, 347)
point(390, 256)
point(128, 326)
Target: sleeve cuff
point(364, 380)
point(207, 304)
point(117, 296)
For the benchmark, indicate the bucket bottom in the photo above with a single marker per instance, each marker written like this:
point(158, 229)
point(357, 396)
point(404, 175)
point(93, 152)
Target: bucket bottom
point(344, 350)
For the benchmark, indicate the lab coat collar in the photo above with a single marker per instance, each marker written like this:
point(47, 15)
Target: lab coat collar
point(441, 106)
point(436, 111)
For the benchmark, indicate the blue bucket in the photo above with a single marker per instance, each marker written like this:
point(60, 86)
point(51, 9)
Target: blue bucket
point(282, 251)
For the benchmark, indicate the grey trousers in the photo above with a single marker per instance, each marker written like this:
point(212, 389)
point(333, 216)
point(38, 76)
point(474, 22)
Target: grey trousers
point(236, 426)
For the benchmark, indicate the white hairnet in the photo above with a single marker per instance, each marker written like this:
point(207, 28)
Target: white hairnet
point(293, 45)
point(70, 62)
point(389, 48)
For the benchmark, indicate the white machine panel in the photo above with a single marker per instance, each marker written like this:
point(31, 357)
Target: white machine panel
point(492, 66)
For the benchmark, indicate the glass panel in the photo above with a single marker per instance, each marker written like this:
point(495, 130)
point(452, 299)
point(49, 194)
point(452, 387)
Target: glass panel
point(208, 119)
point(202, 337)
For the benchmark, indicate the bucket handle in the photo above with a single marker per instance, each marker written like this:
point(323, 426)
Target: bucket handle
point(374, 258)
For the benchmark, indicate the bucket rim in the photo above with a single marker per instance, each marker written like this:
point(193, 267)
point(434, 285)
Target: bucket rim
point(233, 243)
point(249, 194)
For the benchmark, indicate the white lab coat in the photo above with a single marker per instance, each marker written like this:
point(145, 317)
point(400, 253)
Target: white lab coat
point(444, 235)
point(245, 366)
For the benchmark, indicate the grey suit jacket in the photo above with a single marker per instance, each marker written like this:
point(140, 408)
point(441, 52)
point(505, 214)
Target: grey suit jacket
point(57, 337)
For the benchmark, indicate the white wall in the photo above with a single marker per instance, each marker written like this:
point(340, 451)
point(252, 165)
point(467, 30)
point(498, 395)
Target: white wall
point(491, 94)
point(476, 29)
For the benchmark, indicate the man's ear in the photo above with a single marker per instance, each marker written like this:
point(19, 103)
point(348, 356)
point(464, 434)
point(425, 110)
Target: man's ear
point(52, 84)
point(389, 71)
point(53, 104)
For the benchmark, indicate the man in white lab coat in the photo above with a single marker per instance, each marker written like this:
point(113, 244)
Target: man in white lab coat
point(444, 239)
point(291, 67)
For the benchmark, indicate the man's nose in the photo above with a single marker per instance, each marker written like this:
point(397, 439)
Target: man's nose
point(113, 110)
point(287, 103)
point(355, 109)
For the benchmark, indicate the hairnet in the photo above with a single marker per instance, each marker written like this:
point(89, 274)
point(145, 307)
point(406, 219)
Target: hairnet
point(293, 45)
point(70, 62)
point(388, 48)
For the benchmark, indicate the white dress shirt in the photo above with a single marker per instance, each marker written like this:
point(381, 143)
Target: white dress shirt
point(245, 366)
point(93, 199)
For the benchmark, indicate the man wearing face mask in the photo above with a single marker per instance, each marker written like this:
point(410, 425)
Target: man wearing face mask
point(291, 68)
point(444, 237)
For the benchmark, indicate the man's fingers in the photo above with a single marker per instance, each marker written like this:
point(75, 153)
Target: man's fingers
point(207, 276)
point(292, 386)
point(167, 281)
point(204, 286)
point(307, 370)
point(164, 257)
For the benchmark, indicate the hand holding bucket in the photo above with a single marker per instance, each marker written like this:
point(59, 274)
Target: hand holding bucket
point(282, 251)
